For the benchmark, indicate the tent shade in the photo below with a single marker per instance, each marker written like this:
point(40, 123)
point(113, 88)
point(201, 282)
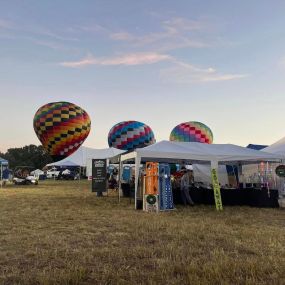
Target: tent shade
point(67, 163)
point(3, 161)
point(198, 153)
point(85, 154)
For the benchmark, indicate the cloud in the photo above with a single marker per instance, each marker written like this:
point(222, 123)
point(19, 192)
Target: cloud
point(128, 60)
point(182, 72)
point(176, 25)
point(175, 33)
point(122, 36)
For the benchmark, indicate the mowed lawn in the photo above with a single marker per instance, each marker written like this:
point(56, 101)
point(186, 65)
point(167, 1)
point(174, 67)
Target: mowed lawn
point(61, 233)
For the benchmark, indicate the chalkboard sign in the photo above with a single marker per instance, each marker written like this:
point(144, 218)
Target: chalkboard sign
point(99, 175)
point(280, 170)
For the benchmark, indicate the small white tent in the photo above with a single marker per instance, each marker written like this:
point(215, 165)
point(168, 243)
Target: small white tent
point(84, 155)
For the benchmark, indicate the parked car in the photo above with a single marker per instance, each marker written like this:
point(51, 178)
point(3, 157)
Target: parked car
point(29, 180)
point(22, 176)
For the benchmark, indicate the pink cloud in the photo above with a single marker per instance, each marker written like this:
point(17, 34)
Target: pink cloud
point(129, 59)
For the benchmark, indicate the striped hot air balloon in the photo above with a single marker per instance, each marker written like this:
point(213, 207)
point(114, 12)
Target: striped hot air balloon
point(129, 135)
point(192, 132)
point(61, 127)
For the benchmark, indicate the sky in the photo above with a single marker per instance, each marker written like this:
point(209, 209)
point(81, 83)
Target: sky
point(162, 62)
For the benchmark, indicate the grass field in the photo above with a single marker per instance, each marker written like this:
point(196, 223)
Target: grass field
point(61, 233)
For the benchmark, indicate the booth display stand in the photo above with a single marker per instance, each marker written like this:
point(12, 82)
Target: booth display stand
point(157, 188)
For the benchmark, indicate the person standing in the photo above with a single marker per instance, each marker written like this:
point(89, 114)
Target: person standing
point(184, 188)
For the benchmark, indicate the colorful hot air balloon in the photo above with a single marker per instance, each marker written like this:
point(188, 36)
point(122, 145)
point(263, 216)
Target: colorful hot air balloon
point(61, 127)
point(192, 132)
point(130, 135)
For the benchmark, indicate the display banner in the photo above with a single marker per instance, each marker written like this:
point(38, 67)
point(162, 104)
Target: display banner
point(99, 175)
point(217, 191)
point(165, 189)
point(151, 186)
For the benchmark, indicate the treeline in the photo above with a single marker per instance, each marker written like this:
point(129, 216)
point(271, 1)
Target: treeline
point(30, 155)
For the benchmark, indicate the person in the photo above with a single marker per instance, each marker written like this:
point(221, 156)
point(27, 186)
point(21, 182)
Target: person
point(185, 181)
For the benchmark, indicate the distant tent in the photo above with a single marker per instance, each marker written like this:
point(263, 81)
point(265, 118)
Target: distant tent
point(256, 146)
point(3, 162)
point(83, 156)
point(37, 172)
point(67, 163)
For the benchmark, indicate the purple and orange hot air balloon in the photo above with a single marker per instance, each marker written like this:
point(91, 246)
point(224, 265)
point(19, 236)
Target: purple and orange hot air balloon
point(61, 127)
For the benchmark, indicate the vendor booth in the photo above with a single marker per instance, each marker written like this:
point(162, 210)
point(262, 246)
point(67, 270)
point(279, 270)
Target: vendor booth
point(212, 155)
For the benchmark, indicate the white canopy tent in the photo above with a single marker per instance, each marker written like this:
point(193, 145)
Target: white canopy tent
point(251, 172)
point(191, 152)
point(37, 172)
point(3, 162)
point(84, 155)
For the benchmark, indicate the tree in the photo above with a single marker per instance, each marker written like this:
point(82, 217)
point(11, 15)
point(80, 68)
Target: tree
point(31, 155)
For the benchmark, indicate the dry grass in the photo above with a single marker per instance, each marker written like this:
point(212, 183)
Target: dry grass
point(60, 233)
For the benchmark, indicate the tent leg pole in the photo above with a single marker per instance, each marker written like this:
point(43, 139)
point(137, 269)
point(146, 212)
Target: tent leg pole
point(119, 180)
point(137, 170)
point(1, 175)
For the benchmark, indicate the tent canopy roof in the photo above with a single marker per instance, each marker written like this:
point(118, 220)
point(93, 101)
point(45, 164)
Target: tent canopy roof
point(198, 152)
point(3, 161)
point(277, 148)
point(83, 154)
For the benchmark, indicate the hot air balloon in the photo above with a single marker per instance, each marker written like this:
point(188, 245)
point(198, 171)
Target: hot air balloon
point(130, 135)
point(192, 132)
point(61, 127)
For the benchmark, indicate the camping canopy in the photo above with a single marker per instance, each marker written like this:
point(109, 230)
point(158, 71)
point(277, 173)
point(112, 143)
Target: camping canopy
point(83, 156)
point(198, 152)
point(193, 152)
point(3, 161)
point(37, 172)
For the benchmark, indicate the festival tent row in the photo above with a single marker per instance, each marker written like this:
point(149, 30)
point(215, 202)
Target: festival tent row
point(192, 152)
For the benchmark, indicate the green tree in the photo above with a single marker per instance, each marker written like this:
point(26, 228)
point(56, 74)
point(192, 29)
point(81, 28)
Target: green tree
point(31, 155)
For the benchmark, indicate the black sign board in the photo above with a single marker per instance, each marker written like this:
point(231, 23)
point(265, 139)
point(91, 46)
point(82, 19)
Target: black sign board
point(99, 175)
point(280, 170)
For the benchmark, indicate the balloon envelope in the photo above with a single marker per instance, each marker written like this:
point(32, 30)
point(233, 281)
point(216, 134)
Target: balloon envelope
point(192, 132)
point(129, 135)
point(61, 127)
